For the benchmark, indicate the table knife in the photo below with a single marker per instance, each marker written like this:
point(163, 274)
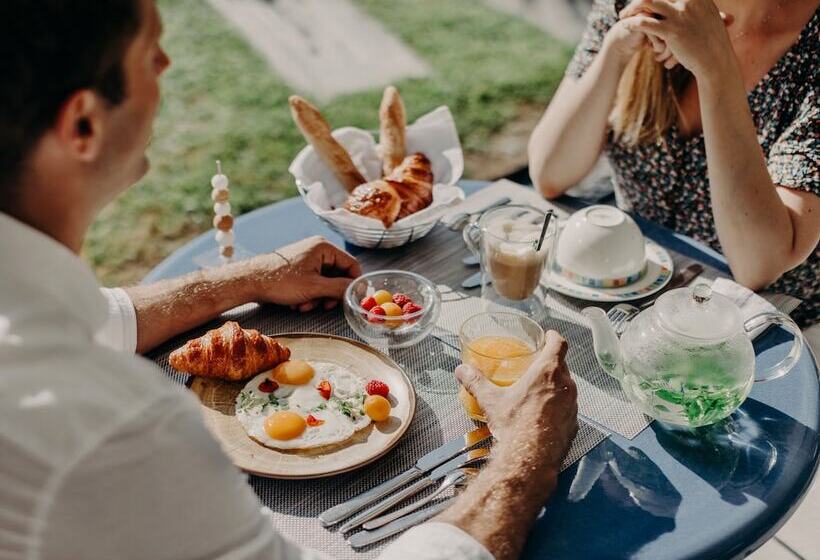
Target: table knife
point(426, 463)
point(473, 281)
point(465, 459)
point(365, 538)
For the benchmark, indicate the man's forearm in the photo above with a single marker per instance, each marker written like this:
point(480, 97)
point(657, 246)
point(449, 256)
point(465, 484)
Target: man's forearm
point(170, 307)
point(500, 505)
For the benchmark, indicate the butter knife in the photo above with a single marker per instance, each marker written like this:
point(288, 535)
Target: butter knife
point(463, 460)
point(426, 463)
point(365, 538)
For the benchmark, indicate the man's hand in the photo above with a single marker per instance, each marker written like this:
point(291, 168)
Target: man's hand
point(539, 412)
point(305, 275)
point(534, 421)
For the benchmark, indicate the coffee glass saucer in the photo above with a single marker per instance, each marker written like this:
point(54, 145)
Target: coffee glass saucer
point(659, 269)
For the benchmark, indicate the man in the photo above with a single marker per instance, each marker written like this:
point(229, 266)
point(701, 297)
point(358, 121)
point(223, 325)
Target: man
point(100, 456)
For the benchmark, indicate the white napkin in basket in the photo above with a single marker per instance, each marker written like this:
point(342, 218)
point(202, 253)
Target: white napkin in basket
point(433, 134)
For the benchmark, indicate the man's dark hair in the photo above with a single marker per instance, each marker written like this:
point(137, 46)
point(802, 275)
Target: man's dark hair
point(50, 49)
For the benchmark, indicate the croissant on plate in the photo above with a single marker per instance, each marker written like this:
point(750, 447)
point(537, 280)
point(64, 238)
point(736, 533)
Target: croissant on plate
point(229, 352)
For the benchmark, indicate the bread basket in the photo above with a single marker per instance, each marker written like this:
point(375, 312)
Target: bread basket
point(434, 135)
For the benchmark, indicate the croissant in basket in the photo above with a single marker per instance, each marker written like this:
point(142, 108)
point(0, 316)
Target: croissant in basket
point(229, 352)
point(408, 189)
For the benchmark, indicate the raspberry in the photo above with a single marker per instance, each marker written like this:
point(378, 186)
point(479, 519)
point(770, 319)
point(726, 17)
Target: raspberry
point(401, 300)
point(369, 303)
point(410, 307)
point(376, 387)
point(376, 311)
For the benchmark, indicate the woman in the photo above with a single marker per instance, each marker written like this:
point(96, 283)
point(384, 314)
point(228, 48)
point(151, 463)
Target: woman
point(709, 117)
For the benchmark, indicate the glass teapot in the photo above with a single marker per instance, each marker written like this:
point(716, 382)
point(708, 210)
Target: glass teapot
point(688, 359)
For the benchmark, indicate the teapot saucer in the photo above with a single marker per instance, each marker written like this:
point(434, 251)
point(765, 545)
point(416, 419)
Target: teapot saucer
point(658, 273)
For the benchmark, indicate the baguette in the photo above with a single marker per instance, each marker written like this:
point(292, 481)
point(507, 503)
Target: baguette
point(317, 132)
point(392, 123)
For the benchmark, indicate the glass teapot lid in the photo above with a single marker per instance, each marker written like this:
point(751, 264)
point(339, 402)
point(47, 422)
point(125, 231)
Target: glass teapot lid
point(698, 312)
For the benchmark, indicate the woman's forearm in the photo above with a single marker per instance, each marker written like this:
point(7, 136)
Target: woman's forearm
point(570, 136)
point(754, 225)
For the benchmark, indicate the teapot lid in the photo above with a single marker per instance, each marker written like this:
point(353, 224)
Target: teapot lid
point(698, 312)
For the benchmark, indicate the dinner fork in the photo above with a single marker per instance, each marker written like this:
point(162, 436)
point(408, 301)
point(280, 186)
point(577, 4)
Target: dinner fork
point(455, 478)
point(620, 315)
point(623, 312)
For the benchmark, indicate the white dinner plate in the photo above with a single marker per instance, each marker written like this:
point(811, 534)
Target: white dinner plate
point(218, 399)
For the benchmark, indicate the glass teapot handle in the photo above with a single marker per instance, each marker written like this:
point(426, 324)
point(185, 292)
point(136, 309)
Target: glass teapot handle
point(782, 367)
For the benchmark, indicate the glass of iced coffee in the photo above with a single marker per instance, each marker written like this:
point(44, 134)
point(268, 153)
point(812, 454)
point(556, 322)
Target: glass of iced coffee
point(506, 241)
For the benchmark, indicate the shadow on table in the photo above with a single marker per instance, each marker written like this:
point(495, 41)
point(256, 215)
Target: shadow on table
point(646, 507)
point(308, 498)
point(740, 456)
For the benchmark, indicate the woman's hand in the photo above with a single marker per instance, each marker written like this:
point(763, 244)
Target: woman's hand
point(304, 275)
point(624, 38)
point(692, 31)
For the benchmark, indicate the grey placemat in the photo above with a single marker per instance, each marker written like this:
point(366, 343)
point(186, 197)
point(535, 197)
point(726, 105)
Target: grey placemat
point(295, 505)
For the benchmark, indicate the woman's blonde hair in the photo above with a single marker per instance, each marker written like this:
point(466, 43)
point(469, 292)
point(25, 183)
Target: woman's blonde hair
point(646, 100)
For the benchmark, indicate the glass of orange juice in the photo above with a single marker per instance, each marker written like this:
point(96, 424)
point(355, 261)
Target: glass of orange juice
point(500, 345)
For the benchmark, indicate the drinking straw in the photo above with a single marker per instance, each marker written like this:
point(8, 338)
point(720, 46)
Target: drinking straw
point(547, 218)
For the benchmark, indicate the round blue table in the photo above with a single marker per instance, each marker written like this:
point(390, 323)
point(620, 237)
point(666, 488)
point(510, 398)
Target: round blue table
point(717, 493)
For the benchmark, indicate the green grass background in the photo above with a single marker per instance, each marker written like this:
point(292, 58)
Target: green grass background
point(221, 101)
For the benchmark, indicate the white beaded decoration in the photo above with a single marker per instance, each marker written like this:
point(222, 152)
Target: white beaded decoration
point(224, 238)
point(222, 207)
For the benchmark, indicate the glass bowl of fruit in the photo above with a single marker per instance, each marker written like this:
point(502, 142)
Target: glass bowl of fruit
point(392, 308)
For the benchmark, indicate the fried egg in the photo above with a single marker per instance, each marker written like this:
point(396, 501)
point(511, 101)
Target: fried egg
point(288, 416)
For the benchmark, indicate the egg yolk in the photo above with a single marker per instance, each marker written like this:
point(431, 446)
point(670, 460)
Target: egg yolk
point(377, 407)
point(293, 372)
point(284, 425)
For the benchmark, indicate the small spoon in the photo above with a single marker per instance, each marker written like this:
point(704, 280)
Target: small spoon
point(457, 477)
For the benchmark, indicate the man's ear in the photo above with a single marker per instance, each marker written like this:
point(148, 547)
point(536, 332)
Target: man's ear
point(79, 125)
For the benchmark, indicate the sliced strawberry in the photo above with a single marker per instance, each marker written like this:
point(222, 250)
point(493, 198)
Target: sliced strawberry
point(401, 300)
point(312, 421)
point(378, 310)
point(268, 386)
point(410, 307)
point(324, 389)
point(369, 303)
point(376, 387)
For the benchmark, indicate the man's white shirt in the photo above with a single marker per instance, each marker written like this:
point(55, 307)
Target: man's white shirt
point(102, 456)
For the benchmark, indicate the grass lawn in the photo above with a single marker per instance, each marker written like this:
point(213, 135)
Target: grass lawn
point(222, 101)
